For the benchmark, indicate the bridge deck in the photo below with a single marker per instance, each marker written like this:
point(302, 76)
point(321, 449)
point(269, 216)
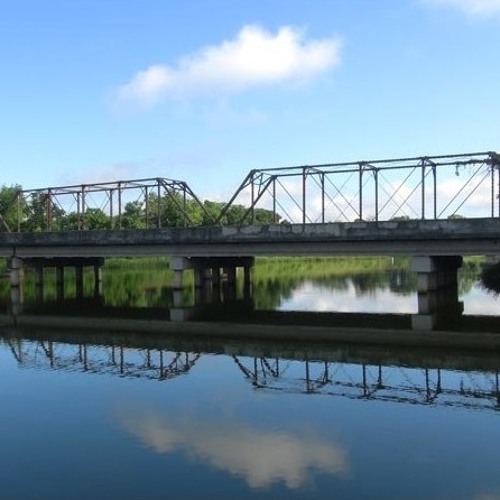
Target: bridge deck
point(415, 237)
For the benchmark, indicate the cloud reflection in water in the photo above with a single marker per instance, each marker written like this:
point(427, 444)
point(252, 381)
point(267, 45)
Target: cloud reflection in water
point(260, 457)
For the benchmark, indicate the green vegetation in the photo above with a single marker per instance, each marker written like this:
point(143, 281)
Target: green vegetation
point(39, 212)
point(146, 282)
point(490, 277)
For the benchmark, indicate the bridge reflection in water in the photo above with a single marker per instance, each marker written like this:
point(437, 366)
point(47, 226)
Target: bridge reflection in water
point(396, 374)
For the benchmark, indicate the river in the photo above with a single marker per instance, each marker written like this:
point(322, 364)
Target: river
point(90, 412)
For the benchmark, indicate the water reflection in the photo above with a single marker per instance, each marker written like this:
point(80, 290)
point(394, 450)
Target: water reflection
point(260, 456)
point(396, 374)
point(283, 418)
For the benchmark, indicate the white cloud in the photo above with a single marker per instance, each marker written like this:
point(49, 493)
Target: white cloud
point(473, 7)
point(254, 57)
point(260, 457)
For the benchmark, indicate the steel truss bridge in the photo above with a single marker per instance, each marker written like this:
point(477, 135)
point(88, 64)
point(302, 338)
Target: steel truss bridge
point(426, 187)
point(397, 383)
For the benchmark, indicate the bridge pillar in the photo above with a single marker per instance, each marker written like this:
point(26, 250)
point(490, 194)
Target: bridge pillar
point(97, 280)
point(16, 273)
point(16, 278)
point(60, 282)
point(79, 281)
point(437, 291)
point(207, 278)
point(247, 280)
point(230, 273)
point(434, 273)
point(215, 277)
point(178, 265)
point(39, 283)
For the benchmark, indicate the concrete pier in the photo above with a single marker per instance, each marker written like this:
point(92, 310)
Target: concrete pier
point(18, 265)
point(209, 284)
point(437, 290)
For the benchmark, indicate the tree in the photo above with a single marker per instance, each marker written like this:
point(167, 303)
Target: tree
point(12, 207)
point(42, 214)
point(134, 216)
point(95, 218)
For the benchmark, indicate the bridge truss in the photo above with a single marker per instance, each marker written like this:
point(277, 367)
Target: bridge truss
point(419, 385)
point(45, 207)
point(428, 187)
point(397, 384)
point(153, 364)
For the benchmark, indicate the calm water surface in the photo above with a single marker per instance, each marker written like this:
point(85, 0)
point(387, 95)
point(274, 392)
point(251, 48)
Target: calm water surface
point(91, 414)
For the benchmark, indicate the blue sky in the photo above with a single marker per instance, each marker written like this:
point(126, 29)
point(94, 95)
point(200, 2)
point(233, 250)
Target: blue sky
point(96, 90)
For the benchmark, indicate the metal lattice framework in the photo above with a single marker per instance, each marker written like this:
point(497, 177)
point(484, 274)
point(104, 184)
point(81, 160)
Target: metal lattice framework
point(428, 187)
point(398, 384)
point(151, 364)
point(425, 187)
point(110, 198)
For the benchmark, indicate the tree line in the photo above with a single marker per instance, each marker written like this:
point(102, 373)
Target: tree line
point(38, 212)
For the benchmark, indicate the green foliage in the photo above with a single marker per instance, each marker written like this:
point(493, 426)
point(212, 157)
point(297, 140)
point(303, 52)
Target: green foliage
point(95, 218)
point(41, 213)
point(490, 278)
point(10, 207)
point(133, 216)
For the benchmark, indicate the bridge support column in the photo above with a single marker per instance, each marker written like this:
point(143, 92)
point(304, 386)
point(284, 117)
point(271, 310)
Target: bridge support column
point(39, 283)
point(230, 273)
point(60, 282)
point(215, 277)
point(207, 280)
point(79, 281)
point(16, 278)
point(16, 273)
point(247, 280)
point(434, 273)
point(178, 265)
point(97, 280)
point(437, 289)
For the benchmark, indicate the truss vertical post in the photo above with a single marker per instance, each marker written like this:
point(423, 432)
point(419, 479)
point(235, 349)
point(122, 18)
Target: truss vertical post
point(498, 193)
point(184, 206)
point(18, 212)
point(423, 190)
point(119, 205)
point(158, 203)
point(79, 211)
point(146, 206)
point(274, 200)
point(304, 195)
point(323, 197)
point(84, 208)
point(111, 214)
point(48, 208)
point(492, 176)
point(253, 200)
point(435, 190)
point(360, 192)
point(375, 175)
